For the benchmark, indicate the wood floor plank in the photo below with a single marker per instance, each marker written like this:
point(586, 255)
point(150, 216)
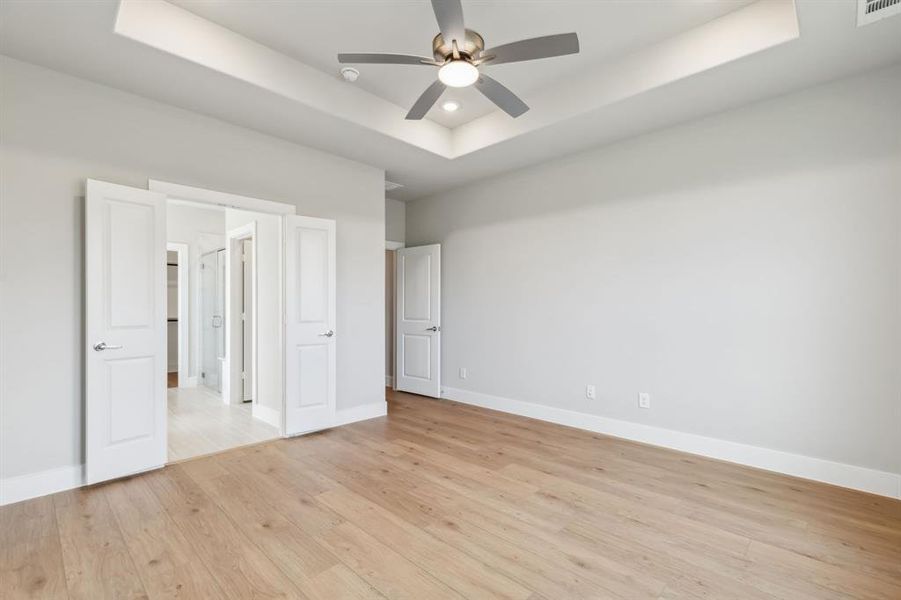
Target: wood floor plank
point(445, 500)
point(96, 558)
point(31, 564)
point(163, 556)
point(383, 568)
point(456, 569)
point(291, 549)
point(239, 566)
point(340, 582)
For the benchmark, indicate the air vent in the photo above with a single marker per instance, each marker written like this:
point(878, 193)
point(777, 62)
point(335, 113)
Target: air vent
point(390, 185)
point(870, 11)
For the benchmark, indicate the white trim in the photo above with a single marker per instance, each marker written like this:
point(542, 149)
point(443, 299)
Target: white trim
point(389, 245)
point(183, 309)
point(389, 381)
point(196, 194)
point(360, 413)
point(232, 393)
point(267, 414)
point(42, 483)
point(849, 476)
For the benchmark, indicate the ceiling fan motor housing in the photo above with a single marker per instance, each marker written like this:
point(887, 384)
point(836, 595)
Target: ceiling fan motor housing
point(470, 49)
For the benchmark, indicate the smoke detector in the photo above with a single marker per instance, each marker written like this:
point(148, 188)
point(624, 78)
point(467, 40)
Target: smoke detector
point(349, 74)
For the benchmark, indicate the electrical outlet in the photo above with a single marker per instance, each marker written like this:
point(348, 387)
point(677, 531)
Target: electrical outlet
point(590, 392)
point(462, 372)
point(644, 400)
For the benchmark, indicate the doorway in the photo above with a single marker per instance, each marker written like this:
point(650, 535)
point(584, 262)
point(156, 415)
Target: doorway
point(217, 407)
point(131, 420)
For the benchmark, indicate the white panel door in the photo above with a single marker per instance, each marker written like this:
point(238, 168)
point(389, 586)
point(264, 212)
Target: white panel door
point(125, 330)
point(310, 337)
point(418, 301)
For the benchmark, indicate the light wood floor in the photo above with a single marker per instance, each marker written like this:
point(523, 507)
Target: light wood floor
point(200, 423)
point(442, 500)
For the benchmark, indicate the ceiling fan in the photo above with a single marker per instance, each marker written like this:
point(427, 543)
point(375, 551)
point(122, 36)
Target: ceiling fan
point(459, 52)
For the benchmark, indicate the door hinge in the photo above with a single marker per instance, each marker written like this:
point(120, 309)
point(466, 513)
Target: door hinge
point(243, 375)
point(202, 375)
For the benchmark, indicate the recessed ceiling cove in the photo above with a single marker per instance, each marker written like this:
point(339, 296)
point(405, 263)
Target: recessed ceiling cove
point(314, 32)
point(272, 66)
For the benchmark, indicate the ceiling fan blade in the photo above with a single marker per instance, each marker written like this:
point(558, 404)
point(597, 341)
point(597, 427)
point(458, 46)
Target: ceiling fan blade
point(426, 101)
point(500, 95)
point(449, 14)
point(384, 59)
point(534, 48)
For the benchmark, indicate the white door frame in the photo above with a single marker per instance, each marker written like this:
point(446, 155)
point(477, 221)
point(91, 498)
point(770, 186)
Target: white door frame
point(183, 311)
point(391, 380)
point(232, 391)
point(176, 191)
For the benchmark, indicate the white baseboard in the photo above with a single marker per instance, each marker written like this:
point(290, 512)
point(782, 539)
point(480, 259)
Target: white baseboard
point(849, 476)
point(389, 381)
point(361, 413)
point(268, 415)
point(25, 487)
point(33, 485)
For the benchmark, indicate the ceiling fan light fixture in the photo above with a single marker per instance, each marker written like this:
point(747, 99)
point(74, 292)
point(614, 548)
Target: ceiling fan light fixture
point(458, 73)
point(450, 105)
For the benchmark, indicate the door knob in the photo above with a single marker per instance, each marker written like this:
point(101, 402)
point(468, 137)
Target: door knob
point(101, 346)
point(434, 329)
point(328, 333)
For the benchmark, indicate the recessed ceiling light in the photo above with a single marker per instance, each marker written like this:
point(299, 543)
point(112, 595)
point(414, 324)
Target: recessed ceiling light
point(450, 106)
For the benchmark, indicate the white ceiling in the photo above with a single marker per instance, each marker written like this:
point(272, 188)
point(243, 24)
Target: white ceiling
point(314, 31)
point(654, 70)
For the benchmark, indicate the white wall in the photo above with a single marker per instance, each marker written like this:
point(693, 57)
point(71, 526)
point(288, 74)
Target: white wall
point(395, 220)
point(56, 132)
point(744, 269)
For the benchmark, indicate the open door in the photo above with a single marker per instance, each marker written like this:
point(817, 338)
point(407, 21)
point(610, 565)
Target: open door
point(417, 362)
point(310, 324)
point(125, 330)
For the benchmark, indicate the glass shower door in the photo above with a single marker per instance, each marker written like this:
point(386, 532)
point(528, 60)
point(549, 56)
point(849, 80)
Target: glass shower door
point(212, 318)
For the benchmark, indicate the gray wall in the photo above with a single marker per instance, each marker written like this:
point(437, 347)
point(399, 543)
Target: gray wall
point(744, 269)
point(56, 132)
point(395, 220)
